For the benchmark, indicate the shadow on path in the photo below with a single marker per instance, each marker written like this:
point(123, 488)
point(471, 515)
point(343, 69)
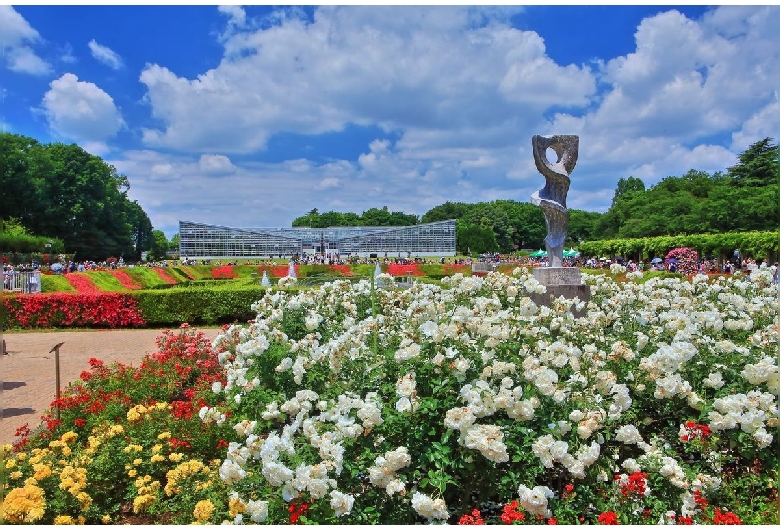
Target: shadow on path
point(15, 411)
point(10, 385)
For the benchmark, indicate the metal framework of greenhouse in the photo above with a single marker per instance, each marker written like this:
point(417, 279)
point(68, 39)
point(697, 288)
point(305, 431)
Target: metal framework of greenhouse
point(202, 241)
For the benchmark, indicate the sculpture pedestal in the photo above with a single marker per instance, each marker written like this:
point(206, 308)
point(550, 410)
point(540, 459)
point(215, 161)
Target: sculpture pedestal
point(561, 281)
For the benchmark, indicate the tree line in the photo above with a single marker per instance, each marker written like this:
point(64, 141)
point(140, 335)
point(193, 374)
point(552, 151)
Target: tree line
point(743, 198)
point(61, 192)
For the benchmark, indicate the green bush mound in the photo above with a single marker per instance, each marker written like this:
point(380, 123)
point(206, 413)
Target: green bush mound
point(204, 305)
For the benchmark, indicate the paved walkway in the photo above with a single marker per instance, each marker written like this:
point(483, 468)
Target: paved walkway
point(27, 372)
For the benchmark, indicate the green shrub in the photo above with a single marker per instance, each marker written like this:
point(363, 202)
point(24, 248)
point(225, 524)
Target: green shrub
point(205, 305)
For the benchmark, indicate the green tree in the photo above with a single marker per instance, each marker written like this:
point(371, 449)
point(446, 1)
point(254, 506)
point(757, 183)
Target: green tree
point(174, 243)
point(64, 192)
point(140, 231)
point(627, 186)
point(377, 217)
point(444, 212)
point(757, 166)
point(159, 245)
point(474, 238)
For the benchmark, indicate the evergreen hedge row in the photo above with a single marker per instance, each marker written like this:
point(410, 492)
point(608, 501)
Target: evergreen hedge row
point(156, 308)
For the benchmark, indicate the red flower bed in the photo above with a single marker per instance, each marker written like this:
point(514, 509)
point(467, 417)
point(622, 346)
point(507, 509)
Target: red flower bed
point(167, 279)
point(126, 281)
point(396, 269)
point(180, 373)
point(453, 268)
point(223, 272)
point(341, 269)
point(66, 309)
point(278, 271)
point(82, 283)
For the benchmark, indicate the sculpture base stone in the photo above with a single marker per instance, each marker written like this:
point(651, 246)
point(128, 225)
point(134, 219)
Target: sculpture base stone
point(561, 281)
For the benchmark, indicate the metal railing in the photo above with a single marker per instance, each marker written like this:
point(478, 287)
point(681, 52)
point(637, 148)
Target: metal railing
point(484, 266)
point(22, 282)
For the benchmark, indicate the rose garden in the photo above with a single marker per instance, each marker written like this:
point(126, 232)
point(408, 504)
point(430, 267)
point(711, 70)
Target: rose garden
point(457, 400)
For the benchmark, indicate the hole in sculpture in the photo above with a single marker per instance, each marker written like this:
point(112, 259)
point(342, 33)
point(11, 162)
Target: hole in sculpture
point(551, 155)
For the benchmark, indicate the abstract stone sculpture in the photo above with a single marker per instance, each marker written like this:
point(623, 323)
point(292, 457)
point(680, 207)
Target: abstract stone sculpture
point(559, 281)
point(552, 198)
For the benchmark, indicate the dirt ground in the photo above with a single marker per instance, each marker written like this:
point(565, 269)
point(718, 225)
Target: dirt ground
point(28, 373)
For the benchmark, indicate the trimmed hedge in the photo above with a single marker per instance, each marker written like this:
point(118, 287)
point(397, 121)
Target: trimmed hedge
point(204, 305)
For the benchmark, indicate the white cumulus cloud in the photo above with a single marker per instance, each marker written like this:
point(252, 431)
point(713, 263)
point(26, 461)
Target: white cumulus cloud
point(105, 55)
point(81, 111)
point(216, 165)
point(17, 38)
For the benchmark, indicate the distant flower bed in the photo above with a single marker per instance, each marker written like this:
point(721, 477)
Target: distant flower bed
point(167, 279)
point(223, 272)
point(126, 281)
point(82, 283)
point(398, 269)
point(453, 268)
point(341, 269)
point(277, 271)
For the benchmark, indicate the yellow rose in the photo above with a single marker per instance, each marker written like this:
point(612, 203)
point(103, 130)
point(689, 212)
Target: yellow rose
point(137, 462)
point(64, 519)
point(175, 457)
point(164, 435)
point(142, 502)
point(16, 475)
point(116, 429)
point(24, 505)
point(203, 510)
point(106, 519)
point(42, 471)
point(69, 437)
point(157, 458)
point(236, 507)
point(132, 473)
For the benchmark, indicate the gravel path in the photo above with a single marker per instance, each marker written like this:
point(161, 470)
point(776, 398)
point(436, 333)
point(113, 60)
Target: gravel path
point(27, 372)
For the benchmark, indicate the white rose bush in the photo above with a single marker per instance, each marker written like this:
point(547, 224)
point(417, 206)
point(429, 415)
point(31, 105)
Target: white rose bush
point(466, 402)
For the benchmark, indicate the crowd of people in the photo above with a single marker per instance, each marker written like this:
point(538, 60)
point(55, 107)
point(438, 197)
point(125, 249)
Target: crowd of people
point(706, 266)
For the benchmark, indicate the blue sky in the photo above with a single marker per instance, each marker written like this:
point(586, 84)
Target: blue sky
point(251, 116)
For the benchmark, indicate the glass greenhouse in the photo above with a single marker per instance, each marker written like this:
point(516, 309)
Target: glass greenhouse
point(201, 241)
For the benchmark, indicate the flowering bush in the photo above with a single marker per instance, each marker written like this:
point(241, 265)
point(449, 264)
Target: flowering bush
point(129, 445)
point(223, 272)
point(464, 402)
point(687, 260)
point(65, 309)
point(453, 403)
